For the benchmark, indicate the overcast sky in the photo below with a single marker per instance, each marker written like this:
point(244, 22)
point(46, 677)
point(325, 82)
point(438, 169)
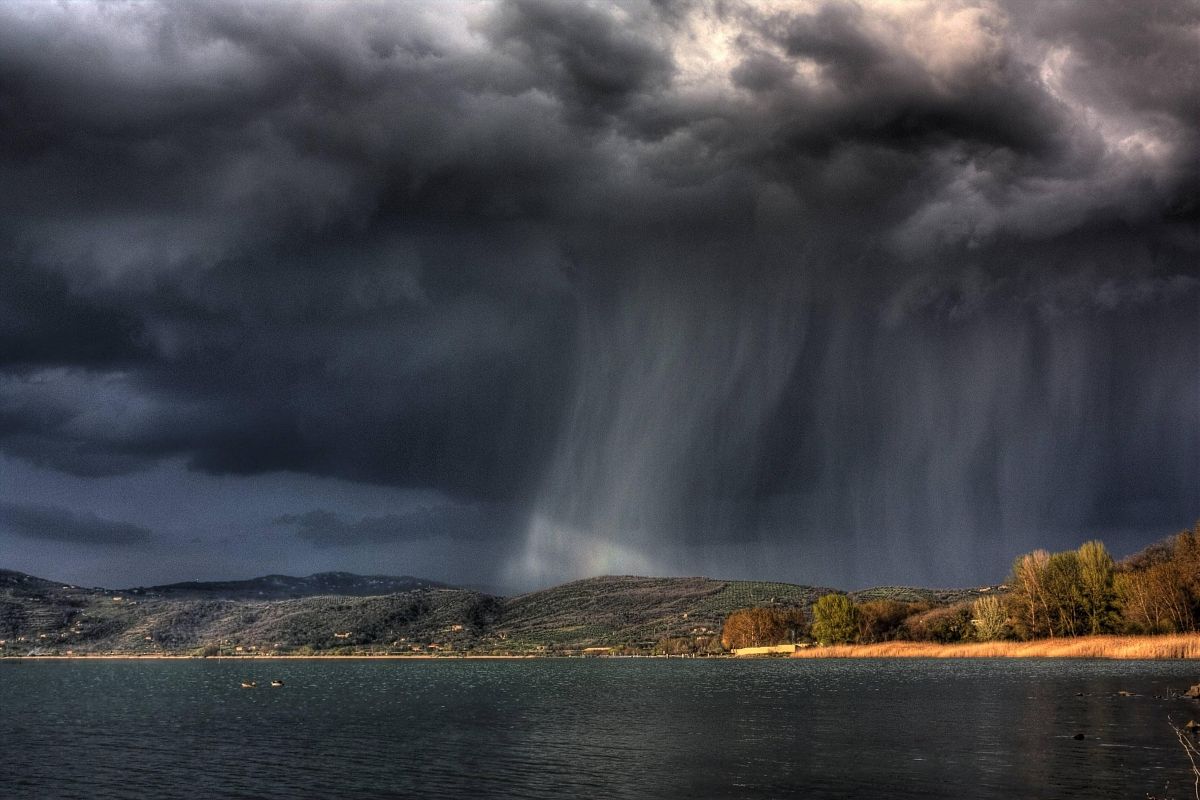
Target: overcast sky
point(507, 293)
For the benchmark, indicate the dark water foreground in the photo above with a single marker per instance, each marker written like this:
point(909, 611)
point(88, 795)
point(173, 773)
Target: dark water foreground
point(596, 728)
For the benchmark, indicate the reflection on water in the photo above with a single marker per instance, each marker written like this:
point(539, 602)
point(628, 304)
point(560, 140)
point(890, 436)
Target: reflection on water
point(613, 728)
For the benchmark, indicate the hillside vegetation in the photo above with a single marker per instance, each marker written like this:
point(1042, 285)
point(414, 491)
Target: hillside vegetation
point(622, 612)
point(42, 617)
point(637, 612)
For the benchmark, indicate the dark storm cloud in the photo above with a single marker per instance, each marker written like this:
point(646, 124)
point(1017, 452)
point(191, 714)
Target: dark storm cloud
point(57, 524)
point(879, 94)
point(584, 56)
point(324, 528)
point(43, 322)
point(656, 273)
point(235, 236)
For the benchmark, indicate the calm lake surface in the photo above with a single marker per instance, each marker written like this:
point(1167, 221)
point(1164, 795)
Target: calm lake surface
point(596, 728)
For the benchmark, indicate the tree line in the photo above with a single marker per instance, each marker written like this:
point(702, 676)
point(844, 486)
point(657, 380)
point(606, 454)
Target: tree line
point(1070, 593)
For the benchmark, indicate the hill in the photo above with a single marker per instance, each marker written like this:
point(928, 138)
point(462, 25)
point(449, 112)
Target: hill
point(278, 587)
point(43, 616)
point(631, 610)
point(341, 612)
point(21, 583)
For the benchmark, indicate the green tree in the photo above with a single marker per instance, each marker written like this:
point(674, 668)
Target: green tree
point(1064, 595)
point(835, 619)
point(1096, 587)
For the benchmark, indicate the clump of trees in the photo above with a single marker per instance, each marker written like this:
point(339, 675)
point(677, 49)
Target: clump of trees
point(1072, 593)
point(1064, 594)
point(681, 646)
point(763, 627)
point(883, 620)
point(1159, 589)
point(1080, 592)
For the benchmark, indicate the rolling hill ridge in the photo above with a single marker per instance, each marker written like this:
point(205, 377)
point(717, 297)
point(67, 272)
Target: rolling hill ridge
point(342, 613)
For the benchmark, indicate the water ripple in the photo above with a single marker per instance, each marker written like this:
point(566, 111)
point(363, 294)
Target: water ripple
point(814, 729)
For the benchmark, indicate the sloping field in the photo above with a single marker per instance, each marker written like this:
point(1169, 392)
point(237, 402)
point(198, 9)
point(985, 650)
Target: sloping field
point(615, 610)
point(916, 594)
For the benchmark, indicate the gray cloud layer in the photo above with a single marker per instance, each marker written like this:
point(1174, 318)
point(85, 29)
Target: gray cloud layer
point(323, 528)
point(918, 279)
point(57, 524)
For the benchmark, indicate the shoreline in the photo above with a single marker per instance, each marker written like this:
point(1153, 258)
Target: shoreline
point(1166, 647)
point(185, 657)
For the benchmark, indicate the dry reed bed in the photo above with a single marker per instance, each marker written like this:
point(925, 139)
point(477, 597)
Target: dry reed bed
point(1122, 647)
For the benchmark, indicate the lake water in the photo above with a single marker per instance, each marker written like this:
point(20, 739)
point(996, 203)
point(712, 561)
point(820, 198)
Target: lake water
point(646, 728)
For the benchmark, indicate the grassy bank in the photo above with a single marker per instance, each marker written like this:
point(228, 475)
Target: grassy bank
point(1122, 647)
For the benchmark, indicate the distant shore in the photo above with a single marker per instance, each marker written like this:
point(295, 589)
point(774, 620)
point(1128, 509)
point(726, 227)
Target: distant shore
point(263, 657)
point(1165, 647)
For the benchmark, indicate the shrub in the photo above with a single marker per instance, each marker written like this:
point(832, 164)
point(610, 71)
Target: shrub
point(881, 620)
point(945, 624)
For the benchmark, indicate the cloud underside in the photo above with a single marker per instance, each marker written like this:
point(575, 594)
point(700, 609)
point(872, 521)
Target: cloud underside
point(687, 270)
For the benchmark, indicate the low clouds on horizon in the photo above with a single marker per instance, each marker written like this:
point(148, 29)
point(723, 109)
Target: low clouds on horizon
point(851, 282)
point(58, 524)
point(323, 528)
